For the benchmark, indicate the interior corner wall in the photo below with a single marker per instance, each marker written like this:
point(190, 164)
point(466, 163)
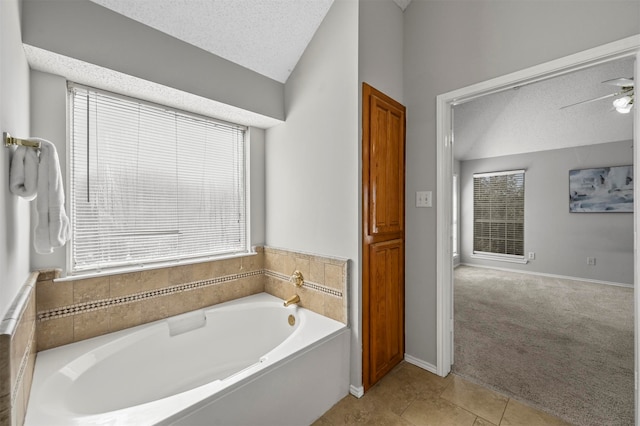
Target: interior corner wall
point(561, 241)
point(14, 118)
point(48, 113)
point(449, 45)
point(312, 177)
point(257, 185)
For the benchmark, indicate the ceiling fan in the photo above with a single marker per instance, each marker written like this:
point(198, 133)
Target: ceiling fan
point(624, 96)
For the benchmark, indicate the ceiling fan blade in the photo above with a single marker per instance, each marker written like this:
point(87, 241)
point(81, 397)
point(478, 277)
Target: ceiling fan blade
point(620, 82)
point(611, 95)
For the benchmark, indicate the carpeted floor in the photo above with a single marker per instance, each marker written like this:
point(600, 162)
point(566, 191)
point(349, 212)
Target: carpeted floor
point(563, 346)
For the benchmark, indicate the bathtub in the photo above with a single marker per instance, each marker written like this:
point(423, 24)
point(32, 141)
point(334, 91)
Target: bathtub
point(250, 361)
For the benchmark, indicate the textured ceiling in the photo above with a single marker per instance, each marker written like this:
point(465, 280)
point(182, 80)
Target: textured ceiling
point(529, 118)
point(266, 36)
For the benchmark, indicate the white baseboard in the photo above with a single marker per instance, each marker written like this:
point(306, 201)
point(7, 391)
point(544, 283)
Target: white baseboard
point(420, 363)
point(357, 391)
point(542, 274)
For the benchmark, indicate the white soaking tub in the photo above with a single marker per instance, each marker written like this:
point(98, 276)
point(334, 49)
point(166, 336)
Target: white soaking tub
point(239, 362)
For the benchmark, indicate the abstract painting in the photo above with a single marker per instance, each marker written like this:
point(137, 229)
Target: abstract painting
point(603, 189)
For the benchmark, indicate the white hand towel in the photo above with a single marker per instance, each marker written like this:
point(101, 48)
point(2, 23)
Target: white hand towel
point(23, 176)
point(52, 227)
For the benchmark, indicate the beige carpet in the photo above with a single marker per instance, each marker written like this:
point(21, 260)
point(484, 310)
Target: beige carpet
point(563, 346)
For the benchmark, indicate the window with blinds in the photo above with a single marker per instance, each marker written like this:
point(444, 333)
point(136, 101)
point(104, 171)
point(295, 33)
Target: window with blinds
point(151, 184)
point(498, 213)
point(454, 219)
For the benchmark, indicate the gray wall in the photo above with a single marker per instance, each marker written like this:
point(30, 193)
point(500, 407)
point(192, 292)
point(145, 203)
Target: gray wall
point(87, 31)
point(380, 47)
point(49, 121)
point(311, 160)
point(452, 44)
point(14, 118)
point(379, 65)
point(562, 241)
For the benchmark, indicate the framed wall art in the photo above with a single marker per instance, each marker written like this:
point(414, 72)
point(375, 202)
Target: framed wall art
point(602, 189)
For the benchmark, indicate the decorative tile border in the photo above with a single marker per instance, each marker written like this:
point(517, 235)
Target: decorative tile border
point(95, 305)
point(309, 284)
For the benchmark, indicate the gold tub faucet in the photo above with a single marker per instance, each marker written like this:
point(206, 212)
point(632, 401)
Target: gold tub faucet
point(292, 300)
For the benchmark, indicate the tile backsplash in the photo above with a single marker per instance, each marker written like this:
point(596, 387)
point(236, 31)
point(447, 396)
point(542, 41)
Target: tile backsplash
point(70, 311)
point(325, 285)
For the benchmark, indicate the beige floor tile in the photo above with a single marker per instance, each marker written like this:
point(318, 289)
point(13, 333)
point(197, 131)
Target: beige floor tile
point(482, 422)
point(363, 411)
point(424, 382)
point(392, 394)
point(435, 411)
point(518, 414)
point(481, 401)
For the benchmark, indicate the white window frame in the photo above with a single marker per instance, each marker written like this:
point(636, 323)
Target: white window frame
point(246, 249)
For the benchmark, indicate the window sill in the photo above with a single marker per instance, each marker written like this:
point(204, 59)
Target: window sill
point(500, 258)
point(159, 265)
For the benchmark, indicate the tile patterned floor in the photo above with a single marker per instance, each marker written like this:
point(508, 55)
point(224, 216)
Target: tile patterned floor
point(411, 396)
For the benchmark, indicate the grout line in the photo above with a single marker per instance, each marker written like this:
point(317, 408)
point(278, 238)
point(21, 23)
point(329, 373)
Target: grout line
point(504, 411)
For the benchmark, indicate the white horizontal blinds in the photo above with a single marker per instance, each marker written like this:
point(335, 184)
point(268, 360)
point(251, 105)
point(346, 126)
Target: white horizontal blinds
point(498, 213)
point(151, 184)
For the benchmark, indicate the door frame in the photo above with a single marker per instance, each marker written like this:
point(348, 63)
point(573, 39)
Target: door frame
point(626, 47)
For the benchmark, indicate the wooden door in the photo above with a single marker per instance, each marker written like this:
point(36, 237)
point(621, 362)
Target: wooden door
point(383, 178)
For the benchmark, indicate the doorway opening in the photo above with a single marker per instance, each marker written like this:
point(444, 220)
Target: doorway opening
point(625, 48)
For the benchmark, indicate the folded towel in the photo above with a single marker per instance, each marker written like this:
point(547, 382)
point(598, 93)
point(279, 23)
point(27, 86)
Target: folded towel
point(23, 176)
point(52, 227)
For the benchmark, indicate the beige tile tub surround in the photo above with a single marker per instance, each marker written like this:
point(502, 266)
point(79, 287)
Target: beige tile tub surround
point(17, 354)
point(70, 311)
point(325, 287)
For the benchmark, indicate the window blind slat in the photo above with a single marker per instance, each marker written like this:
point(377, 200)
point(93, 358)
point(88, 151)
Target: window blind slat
point(152, 184)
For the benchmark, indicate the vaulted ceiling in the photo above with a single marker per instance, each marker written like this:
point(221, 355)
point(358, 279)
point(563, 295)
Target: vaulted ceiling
point(530, 118)
point(266, 36)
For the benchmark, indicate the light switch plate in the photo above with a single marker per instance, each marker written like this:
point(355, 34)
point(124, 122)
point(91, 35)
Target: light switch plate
point(423, 199)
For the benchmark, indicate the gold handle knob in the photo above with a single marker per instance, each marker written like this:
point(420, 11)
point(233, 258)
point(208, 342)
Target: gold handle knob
point(297, 278)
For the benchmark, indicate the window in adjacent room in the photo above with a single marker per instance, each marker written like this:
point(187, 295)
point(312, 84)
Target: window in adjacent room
point(454, 221)
point(498, 214)
point(152, 184)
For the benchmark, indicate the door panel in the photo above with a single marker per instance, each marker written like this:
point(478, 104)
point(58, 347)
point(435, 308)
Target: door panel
point(386, 168)
point(383, 180)
point(386, 259)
